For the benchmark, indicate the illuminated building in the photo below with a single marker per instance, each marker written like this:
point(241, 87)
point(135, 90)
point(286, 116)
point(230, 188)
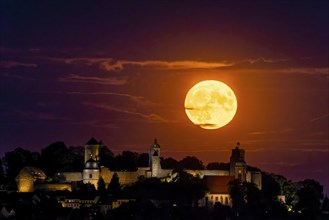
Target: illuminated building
point(91, 173)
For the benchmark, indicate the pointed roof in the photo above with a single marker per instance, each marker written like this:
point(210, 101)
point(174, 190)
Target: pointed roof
point(92, 141)
point(31, 172)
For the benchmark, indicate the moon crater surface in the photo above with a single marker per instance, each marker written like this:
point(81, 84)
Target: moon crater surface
point(210, 104)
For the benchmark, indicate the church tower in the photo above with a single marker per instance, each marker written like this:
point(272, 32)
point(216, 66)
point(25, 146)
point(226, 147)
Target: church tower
point(91, 172)
point(92, 150)
point(238, 166)
point(154, 159)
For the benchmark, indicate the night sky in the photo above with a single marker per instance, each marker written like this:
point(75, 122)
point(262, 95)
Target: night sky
point(119, 72)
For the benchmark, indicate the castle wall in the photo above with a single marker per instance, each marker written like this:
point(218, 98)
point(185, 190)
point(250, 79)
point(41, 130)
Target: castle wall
point(202, 173)
point(256, 178)
point(72, 176)
point(25, 184)
point(125, 177)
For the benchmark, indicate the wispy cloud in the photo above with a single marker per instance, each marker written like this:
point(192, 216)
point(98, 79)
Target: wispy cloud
point(14, 76)
point(137, 100)
point(12, 64)
point(110, 64)
point(320, 117)
point(263, 60)
point(148, 117)
point(92, 79)
point(286, 130)
point(30, 115)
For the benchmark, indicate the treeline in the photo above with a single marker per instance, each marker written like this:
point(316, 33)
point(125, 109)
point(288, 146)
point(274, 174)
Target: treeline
point(57, 157)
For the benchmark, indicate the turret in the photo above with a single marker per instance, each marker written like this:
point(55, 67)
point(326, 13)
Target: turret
point(92, 149)
point(238, 167)
point(90, 173)
point(154, 159)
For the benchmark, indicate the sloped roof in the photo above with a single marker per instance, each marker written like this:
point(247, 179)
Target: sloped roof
point(218, 184)
point(33, 172)
point(92, 141)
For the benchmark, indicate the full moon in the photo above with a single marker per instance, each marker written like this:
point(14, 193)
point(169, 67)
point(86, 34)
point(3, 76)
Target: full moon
point(210, 104)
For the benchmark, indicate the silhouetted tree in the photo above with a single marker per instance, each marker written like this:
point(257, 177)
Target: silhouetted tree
point(101, 188)
point(217, 166)
point(87, 189)
point(310, 194)
point(114, 186)
point(238, 197)
point(187, 188)
point(127, 161)
point(221, 212)
point(191, 163)
point(106, 157)
point(56, 158)
point(270, 187)
point(325, 205)
point(143, 160)
point(288, 189)
point(77, 158)
point(2, 175)
point(15, 160)
point(169, 163)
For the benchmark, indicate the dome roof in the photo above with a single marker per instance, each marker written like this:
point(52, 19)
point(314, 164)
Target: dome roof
point(91, 164)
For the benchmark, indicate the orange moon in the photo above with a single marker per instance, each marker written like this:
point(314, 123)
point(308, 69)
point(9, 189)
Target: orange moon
point(210, 104)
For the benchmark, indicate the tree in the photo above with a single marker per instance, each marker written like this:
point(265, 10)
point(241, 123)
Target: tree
point(191, 163)
point(310, 193)
point(77, 158)
point(288, 189)
point(237, 196)
point(270, 187)
point(187, 188)
point(87, 189)
point(114, 186)
point(2, 175)
point(127, 161)
point(56, 158)
point(217, 166)
point(106, 157)
point(143, 160)
point(101, 185)
point(169, 163)
point(15, 160)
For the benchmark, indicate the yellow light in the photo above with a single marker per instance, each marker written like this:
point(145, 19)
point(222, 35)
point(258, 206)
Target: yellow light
point(210, 104)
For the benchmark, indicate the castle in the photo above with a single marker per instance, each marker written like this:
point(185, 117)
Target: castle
point(30, 179)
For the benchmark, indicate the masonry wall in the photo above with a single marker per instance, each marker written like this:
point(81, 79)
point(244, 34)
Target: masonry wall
point(125, 177)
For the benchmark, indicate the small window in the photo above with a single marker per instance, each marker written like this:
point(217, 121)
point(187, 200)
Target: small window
point(216, 198)
point(90, 175)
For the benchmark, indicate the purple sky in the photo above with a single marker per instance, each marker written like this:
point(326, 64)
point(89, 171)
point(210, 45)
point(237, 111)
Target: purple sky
point(119, 72)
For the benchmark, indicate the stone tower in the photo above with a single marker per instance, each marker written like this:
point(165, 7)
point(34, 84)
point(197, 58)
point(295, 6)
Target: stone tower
point(92, 150)
point(90, 173)
point(154, 159)
point(238, 166)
